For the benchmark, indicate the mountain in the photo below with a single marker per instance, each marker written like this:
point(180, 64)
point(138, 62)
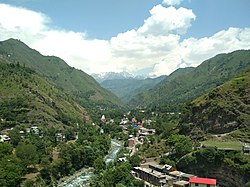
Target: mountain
point(222, 110)
point(75, 82)
point(27, 98)
point(184, 85)
point(127, 88)
point(111, 76)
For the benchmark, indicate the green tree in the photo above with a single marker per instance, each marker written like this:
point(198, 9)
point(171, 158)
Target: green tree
point(15, 136)
point(5, 149)
point(27, 153)
point(10, 171)
point(134, 160)
point(28, 183)
point(99, 165)
point(180, 144)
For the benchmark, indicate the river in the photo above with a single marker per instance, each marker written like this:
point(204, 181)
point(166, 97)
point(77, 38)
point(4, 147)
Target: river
point(82, 179)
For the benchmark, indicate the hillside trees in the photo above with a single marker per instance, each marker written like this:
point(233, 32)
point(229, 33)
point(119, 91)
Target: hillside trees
point(180, 145)
point(27, 153)
point(11, 168)
point(118, 175)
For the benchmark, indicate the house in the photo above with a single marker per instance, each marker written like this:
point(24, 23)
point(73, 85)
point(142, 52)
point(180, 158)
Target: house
point(34, 129)
point(4, 138)
point(145, 132)
point(131, 142)
point(161, 168)
point(153, 177)
point(139, 124)
point(124, 121)
point(122, 159)
point(133, 120)
point(103, 119)
point(202, 182)
point(246, 148)
point(60, 137)
point(22, 134)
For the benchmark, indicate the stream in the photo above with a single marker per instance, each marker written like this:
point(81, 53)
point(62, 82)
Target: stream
point(84, 178)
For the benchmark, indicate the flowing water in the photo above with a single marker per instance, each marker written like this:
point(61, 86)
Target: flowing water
point(83, 179)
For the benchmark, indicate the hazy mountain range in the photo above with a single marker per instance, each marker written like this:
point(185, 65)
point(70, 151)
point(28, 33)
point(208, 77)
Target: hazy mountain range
point(100, 77)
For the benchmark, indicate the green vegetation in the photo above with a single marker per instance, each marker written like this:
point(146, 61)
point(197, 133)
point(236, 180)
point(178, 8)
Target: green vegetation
point(37, 155)
point(224, 109)
point(114, 176)
point(76, 83)
point(126, 89)
point(205, 160)
point(223, 144)
point(45, 109)
point(27, 98)
point(27, 153)
point(211, 162)
point(187, 84)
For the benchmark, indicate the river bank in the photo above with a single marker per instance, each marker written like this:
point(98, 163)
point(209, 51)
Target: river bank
point(63, 182)
point(82, 177)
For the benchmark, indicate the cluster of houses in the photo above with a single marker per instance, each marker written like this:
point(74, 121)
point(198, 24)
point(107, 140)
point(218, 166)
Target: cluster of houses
point(139, 138)
point(155, 175)
point(35, 130)
point(141, 134)
point(151, 172)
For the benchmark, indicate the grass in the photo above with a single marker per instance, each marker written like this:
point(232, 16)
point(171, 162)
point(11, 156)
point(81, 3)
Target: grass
point(223, 145)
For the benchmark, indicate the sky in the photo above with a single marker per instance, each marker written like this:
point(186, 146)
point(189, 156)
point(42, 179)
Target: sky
point(152, 37)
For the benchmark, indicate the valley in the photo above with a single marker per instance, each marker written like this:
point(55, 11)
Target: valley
point(57, 121)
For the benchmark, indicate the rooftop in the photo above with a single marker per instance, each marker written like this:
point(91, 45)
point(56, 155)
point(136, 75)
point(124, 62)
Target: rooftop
point(181, 182)
point(202, 180)
point(152, 172)
point(181, 174)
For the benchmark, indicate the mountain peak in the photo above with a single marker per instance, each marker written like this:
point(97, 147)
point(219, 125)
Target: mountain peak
point(100, 77)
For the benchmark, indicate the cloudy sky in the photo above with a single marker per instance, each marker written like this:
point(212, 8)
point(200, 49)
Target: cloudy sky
point(151, 37)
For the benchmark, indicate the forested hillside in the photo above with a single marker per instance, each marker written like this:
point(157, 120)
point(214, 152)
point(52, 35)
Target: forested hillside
point(223, 110)
point(74, 82)
point(27, 98)
point(127, 88)
point(49, 134)
point(184, 87)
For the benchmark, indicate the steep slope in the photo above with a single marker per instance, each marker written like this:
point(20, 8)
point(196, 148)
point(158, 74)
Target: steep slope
point(224, 109)
point(27, 98)
point(125, 89)
point(75, 82)
point(184, 87)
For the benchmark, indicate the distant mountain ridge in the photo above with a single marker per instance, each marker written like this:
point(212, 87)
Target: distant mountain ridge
point(186, 84)
point(126, 89)
point(74, 82)
point(100, 77)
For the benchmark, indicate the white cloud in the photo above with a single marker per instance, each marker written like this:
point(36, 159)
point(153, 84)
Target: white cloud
point(194, 51)
point(33, 29)
point(155, 44)
point(167, 20)
point(172, 2)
